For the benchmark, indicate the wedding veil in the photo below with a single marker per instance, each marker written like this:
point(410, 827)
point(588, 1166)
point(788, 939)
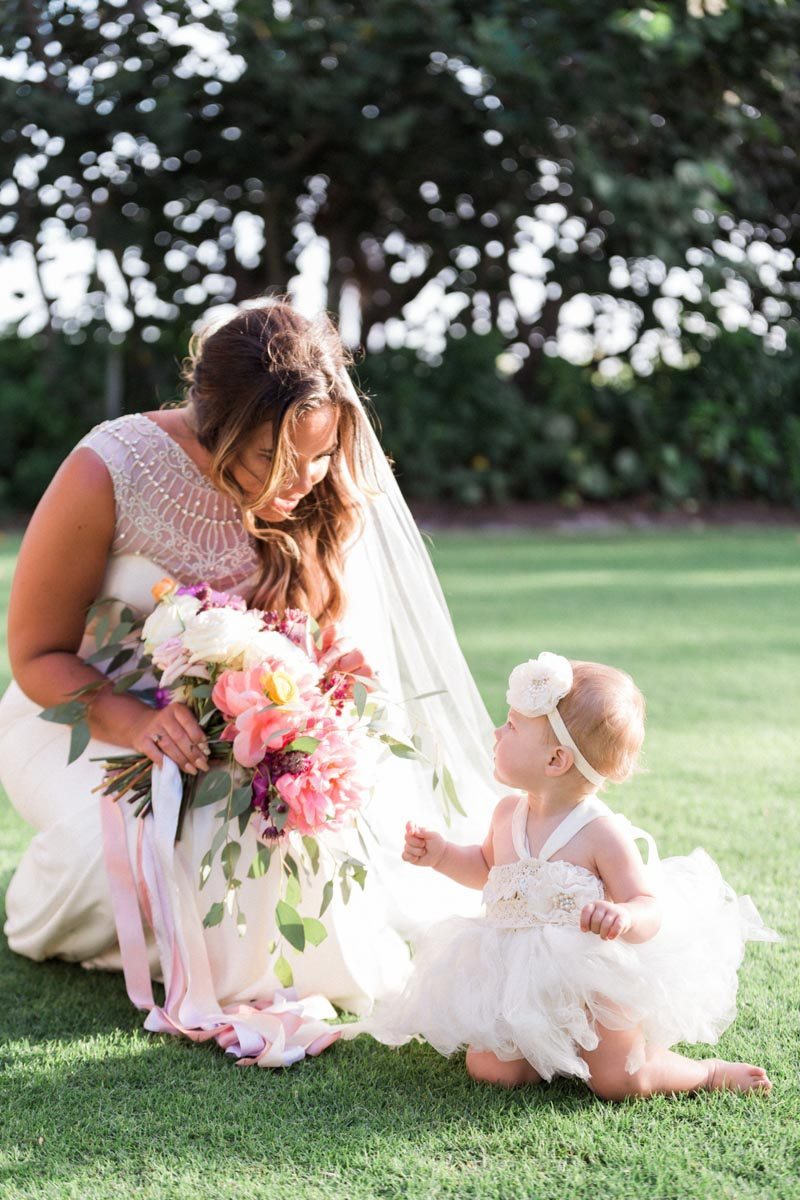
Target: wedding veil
point(398, 616)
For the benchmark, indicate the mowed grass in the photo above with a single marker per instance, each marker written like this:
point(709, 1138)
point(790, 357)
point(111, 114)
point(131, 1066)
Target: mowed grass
point(707, 624)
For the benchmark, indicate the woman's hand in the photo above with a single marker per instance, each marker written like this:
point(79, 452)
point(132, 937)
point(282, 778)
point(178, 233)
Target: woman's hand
point(609, 921)
point(423, 847)
point(172, 731)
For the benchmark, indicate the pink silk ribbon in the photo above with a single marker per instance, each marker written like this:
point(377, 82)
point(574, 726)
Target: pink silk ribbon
point(273, 1032)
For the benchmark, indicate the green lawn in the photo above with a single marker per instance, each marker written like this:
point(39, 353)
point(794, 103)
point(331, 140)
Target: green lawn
point(707, 624)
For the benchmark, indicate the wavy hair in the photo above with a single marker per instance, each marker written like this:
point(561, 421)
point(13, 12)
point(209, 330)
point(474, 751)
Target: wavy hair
point(268, 365)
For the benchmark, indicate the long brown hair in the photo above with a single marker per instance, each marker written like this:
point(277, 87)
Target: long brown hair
point(268, 365)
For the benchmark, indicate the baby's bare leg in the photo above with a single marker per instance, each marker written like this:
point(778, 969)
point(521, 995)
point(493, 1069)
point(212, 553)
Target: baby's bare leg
point(488, 1068)
point(663, 1072)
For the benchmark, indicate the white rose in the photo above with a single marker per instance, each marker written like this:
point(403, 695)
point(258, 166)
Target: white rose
point(268, 644)
point(221, 635)
point(168, 620)
point(536, 686)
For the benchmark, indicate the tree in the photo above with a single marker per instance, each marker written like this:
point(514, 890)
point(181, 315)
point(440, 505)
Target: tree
point(433, 143)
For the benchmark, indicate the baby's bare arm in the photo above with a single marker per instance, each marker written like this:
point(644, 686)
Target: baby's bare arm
point(464, 864)
point(632, 912)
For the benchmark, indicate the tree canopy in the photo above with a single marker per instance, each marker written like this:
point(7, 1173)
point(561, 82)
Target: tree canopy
point(517, 165)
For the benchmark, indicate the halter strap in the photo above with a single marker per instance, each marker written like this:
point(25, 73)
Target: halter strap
point(588, 810)
point(582, 814)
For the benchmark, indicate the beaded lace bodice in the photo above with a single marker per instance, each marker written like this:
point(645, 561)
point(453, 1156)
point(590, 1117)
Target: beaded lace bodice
point(167, 510)
point(537, 891)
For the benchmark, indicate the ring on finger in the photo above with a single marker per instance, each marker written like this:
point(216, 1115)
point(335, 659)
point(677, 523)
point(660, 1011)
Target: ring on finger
point(156, 737)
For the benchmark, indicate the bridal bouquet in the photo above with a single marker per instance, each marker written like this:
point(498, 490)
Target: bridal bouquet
point(293, 743)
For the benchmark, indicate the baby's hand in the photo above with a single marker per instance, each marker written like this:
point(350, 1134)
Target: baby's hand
point(423, 847)
point(607, 920)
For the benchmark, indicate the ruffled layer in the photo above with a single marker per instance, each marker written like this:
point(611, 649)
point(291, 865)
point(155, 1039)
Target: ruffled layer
point(538, 993)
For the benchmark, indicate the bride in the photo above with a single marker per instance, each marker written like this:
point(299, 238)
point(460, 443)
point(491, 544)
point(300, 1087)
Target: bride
point(268, 481)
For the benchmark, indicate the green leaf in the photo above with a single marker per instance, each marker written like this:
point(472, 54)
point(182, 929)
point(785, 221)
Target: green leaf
point(241, 923)
point(127, 681)
point(312, 850)
point(219, 838)
point(260, 864)
point(201, 691)
point(360, 875)
point(305, 744)
point(214, 915)
point(450, 790)
point(327, 896)
point(79, 741)
point(291, 866)
point(244, 821)
point(119, 660)
point(290, 924)
point(283, 972)
point(241, 800)
point(293, 893)
point(119, 632)
point(205, 868)
point(128, 614)
point(399, 748)
point(229, 858)
point(360, 694)
point(315, 931)
point(213, 787)
point(65, 714)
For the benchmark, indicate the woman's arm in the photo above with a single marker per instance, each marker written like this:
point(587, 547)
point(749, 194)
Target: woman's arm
point(59, 574)
point(633, 912)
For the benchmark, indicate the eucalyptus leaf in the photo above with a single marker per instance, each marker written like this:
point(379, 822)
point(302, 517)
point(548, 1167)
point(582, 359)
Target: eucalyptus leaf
point(315, 931)
point(119, 659)
point(214, 915)
point(243, 821)
point(241, 923)
point(127, 681)
point(231, 852)
point(327, 896)
point(201, 691)
point(205, 868)
point(241, 800)
point(260, 864)
point(304, 743)
point(65, 714)
point(213, 787)
point(78, 741)
point(360, 694)
point(283, 972)
point(312, 850)
point(291, 866)
point(293, 894)
point(290, 924)
point(450, 790)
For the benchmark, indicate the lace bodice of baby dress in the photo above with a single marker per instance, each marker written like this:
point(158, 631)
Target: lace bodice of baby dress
point(538, 891)
point(168, 513)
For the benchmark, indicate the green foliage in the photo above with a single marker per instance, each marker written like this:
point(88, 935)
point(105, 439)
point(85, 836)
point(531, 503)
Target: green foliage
point(724, 429)
point(390, 126)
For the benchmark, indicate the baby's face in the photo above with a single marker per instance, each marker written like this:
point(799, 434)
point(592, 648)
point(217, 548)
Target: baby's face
point(522, 750)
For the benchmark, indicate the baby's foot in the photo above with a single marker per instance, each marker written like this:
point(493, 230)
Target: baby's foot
point(737, 1077)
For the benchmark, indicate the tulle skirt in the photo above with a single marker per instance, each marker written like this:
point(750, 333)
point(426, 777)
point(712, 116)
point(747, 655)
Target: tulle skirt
point(539, 993)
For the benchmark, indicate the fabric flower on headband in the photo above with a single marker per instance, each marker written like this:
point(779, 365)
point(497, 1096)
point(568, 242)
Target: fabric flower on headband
point(534, 690)
point(536, 686)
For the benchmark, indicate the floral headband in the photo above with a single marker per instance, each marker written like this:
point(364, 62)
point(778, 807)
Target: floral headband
point(534, 690)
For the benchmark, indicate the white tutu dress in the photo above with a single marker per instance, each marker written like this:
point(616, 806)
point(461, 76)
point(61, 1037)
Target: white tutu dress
point(523, 980)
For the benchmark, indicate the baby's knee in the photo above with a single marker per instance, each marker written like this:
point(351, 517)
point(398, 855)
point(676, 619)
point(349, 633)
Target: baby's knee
point(486, 1067)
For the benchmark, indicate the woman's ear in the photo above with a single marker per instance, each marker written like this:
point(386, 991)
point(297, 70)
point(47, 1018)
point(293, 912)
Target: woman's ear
point(560, 761)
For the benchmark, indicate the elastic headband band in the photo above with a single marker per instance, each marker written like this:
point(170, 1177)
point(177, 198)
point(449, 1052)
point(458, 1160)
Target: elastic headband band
point(566, 738)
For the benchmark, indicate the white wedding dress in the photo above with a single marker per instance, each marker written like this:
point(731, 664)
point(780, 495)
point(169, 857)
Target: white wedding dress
point(170, 520)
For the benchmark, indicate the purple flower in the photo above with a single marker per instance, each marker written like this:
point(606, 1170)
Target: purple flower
point(163, 697)
point(209, 598)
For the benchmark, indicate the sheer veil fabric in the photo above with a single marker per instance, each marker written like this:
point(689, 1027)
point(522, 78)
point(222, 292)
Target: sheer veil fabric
point(219, 985)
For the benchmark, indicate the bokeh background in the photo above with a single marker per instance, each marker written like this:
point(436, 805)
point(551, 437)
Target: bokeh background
point(561, 238)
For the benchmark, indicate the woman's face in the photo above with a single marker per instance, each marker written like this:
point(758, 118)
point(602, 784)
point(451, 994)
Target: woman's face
point(313, 439)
